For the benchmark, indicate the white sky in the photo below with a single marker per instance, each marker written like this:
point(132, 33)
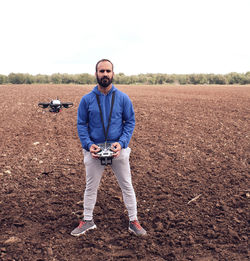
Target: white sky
point(139, 36)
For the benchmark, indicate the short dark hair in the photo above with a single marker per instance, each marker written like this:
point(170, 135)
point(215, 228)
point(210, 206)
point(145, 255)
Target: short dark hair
point(104, 60)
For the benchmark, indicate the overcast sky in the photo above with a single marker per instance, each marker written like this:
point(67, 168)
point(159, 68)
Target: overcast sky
point(139, 36)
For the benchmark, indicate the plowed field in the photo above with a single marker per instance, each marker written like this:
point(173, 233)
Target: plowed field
point(190, 164)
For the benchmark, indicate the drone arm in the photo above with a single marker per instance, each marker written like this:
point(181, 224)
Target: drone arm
point(43, 105)
point(67, 104)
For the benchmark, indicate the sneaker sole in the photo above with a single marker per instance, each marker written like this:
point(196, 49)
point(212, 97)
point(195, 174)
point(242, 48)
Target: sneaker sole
point(133, 232)
point(82, 233)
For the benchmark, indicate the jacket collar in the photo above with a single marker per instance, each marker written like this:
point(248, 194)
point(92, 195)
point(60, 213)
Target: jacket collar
point(95, 90)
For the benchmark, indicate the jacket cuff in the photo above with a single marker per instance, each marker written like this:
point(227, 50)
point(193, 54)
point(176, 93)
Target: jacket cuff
point(122, 144)
point(89, 145)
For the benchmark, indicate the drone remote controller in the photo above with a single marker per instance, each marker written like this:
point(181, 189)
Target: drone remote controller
point(105, 154)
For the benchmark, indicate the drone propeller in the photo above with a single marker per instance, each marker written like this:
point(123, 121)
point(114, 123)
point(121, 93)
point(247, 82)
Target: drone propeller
point(43, 105)
point(67, 104)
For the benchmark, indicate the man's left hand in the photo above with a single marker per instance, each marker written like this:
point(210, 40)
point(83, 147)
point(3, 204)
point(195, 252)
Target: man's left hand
point(116, 148)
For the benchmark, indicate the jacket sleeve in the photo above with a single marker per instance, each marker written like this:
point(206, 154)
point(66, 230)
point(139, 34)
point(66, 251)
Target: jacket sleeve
point(128, 122)
point(82, 125)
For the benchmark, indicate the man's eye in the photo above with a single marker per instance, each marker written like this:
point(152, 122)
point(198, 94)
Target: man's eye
point(102, 71)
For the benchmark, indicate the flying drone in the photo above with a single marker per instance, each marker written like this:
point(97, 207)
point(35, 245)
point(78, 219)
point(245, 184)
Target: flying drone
point(55, 105)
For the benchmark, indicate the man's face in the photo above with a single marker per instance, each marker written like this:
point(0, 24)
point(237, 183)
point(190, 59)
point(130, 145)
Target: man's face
point(104, 74)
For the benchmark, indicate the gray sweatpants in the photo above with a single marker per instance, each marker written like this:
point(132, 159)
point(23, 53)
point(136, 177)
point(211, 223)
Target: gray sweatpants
point(94, 171)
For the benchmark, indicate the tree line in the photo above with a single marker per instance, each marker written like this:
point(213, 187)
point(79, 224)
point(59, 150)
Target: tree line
point(121, 78)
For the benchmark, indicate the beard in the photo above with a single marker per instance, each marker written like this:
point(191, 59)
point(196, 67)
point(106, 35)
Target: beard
point(104, 81)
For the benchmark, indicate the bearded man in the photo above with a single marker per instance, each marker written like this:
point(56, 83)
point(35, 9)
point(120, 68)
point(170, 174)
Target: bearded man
point(106, 116)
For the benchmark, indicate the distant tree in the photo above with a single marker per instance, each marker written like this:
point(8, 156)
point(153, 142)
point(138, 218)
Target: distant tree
point(29, 79)
point(16, 78)
point(181, 78)
point(160, 79)
point(142, 79)
point(41, 78)
point(3, 79)
point(234, 78)
point(169, 78)
point(210, 78)
point(85, 78)
point(120, 78)
point(216, 79)
point(151, 80)
point(66, 78)
point(56, 78)
point(197, 79)
point(247, 77)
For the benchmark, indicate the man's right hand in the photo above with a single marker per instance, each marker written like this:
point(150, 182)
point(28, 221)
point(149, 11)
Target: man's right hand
point(93, 150)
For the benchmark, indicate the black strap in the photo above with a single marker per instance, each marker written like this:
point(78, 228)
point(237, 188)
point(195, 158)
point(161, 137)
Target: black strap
point(111, 109)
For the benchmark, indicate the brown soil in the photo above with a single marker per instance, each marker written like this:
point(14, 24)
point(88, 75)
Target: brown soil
point(190, 165)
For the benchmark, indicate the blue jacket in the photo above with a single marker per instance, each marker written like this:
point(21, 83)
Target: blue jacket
point(89, 124)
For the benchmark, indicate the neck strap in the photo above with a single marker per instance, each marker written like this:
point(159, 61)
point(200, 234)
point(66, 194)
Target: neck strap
point(111, 109)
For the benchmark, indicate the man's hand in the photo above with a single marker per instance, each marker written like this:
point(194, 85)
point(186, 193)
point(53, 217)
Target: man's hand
point(93, 150)
point(116, 148)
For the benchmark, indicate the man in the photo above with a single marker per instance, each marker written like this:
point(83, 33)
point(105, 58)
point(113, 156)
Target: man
point(100, 122)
